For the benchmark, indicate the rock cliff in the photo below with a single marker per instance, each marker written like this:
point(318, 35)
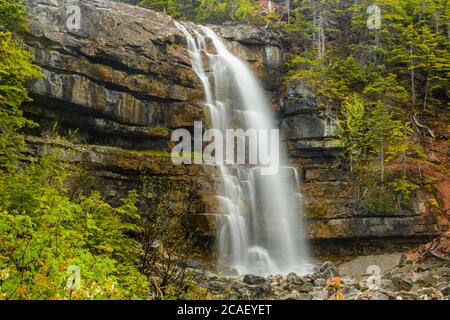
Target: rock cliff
point(120, 77)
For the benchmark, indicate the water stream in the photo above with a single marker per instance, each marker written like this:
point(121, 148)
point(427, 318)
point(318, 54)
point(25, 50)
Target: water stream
point(260, 226)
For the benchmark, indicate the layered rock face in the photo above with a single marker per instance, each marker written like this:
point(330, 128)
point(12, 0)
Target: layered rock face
point(330, 196)
point(120, 76)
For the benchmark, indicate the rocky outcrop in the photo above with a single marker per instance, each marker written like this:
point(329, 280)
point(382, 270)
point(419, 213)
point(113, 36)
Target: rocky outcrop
point(120, 77)
point(123, 65)
point(119, 70)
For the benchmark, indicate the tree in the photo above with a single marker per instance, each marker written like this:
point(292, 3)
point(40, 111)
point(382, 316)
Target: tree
point(413, 44)
point(12, 16)
point(386, 135)
point(15, 69)
point(207, 11)
point(45, 236)
point(352, 132)
point(170, 7)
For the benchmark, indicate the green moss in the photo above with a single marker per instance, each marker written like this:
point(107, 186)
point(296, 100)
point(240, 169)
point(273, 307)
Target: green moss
point(317, 211)
point(160, 129)
point(175, 46)
point(155, 153)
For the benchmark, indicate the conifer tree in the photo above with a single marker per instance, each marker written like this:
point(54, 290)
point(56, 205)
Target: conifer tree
point(386, 134)
point(15, 68)
point(352, 130)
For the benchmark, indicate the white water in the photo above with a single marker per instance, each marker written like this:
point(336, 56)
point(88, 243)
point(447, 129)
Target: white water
point(260, 225)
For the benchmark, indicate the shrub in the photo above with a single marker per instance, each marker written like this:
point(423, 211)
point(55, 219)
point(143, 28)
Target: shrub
point(381, 202)
point(45, 236)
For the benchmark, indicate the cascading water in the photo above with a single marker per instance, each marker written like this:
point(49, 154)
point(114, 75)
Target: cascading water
point(260, 227)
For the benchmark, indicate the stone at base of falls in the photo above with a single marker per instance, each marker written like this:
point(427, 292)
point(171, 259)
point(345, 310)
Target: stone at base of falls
point(253, 279)
point(191, 264)
point(327, 270)
point(358, 267)
point(423, 281)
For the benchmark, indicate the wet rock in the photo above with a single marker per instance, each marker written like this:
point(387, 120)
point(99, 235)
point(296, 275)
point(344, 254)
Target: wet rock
point(352, 294)
point(294, 279)
point(305, 287)
point(299, 99)
point(248, 34)
point(372, 295)
point(426, 279)
point(446, 291)
point(429, 294)
point(254, 280)
point(319, 294)
point(390, 294)
point(327, 270)
point(305, 296)
point(408, 295)
point(309, 127)
point(387, 284)
point(360, 266)
point(320, 282)
point(379, 296)
point(275, 280)
point(191, 264)
point(401, 283)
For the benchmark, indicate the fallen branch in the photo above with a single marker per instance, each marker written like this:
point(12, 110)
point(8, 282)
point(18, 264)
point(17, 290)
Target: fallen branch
point(416, 122)
point(430, 252)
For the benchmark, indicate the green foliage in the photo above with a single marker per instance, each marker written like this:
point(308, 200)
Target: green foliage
point(207, 11)
point(385, 133)
point(404, 188)
point(364, 134)
point(43, 233)
point(381, 202)
point(12, 15)
point(319, 76)
point(409, 58)
point(413, 42)
point(15, 69)
point(171, 7)
point(167, 241)
point(352, 132)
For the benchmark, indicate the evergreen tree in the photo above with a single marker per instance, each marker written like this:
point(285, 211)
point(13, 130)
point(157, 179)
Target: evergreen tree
point(387, 137)
point(352, 132)
point(15, 69)
point(43, 233)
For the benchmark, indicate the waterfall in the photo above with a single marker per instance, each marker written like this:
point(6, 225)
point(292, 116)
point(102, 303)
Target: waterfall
point(260, 227)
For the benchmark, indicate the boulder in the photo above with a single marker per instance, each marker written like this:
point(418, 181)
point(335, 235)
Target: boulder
point(253, 279)
point(327, 270)
point(191, 264)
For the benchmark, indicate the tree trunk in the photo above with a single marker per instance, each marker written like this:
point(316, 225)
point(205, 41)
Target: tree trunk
point(382, 163)
point(404, 152)
point(425, 100)
point(413, 76)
